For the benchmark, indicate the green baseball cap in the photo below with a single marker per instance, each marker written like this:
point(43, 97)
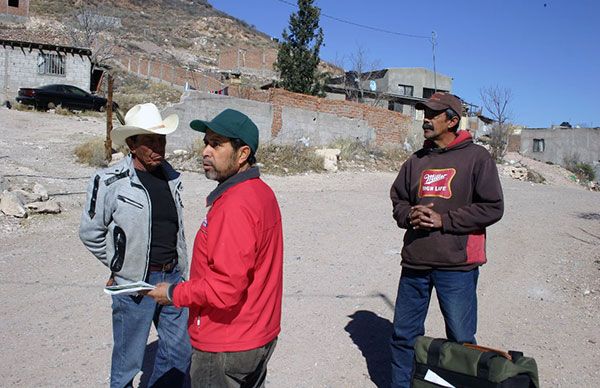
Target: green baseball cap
point(232, 124)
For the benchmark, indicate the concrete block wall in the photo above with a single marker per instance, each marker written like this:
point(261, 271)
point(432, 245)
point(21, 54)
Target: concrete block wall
point(284, 118)
point(19, 69)
point(560, 143)
point(205, 106)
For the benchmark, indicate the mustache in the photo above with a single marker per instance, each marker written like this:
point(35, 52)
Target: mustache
point(427, 126)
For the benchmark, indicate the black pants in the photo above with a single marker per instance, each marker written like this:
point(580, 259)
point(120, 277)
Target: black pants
point(247, 369)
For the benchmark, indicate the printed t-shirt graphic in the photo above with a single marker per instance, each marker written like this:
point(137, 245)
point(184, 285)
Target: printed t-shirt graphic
point(436, 183)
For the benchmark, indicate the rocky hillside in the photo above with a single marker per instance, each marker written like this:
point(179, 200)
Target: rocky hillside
point(187, 33)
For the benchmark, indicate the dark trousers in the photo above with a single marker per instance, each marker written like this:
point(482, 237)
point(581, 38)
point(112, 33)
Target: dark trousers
point(247, 369)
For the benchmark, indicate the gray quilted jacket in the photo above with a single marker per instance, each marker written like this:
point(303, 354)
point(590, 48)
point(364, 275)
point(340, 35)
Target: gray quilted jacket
point(116, 221)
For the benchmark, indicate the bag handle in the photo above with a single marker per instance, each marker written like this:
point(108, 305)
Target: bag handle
point(486, 349)
point(433, 355)
point(435, 348)
point(487, 353)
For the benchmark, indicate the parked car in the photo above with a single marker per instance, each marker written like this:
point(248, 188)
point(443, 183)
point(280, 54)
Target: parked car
point(68, 96)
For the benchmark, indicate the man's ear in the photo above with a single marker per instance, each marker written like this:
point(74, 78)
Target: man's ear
point(453, 121)
point(243, 154)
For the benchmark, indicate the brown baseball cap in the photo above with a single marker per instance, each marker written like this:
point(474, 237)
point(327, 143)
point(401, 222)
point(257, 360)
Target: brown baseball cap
point(442, 101)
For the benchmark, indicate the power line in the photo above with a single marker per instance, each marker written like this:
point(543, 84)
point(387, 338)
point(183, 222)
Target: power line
point(377, 29)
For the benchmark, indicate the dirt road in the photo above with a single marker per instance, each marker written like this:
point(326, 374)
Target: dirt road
point(539, 293)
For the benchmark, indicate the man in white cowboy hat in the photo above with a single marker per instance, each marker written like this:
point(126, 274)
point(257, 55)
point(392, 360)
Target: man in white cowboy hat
point(132, 222)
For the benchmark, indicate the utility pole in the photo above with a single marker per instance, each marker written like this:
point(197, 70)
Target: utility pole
point(433, 43)
point(109, 117)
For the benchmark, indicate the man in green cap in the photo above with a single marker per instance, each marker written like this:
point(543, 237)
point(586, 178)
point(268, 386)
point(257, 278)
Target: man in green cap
point(235, 287)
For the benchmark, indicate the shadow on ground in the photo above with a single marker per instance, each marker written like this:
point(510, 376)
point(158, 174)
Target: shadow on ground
point(371, 334)
point(148, 365)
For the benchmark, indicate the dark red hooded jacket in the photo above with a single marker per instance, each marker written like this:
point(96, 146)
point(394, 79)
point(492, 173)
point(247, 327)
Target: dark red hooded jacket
point(462, 182)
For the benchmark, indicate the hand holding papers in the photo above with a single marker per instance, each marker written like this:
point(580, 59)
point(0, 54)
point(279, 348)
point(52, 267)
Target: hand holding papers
point(128, 289)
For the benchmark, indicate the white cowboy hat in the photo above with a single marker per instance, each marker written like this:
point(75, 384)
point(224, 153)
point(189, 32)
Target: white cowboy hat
point(143, 119)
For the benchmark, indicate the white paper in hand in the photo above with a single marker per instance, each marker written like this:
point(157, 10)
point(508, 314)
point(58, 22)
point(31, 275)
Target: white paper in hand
point(128, 289)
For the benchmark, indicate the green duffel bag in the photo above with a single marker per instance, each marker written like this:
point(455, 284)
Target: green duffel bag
point(442, 363)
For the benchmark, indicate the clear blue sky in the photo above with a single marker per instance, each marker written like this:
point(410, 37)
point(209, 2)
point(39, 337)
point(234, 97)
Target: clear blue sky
point(546, 52)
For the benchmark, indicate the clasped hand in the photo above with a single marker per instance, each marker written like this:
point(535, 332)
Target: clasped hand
point(424, 217)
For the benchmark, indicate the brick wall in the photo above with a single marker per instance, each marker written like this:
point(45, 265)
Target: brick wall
point(243, 57)
point(257, 61)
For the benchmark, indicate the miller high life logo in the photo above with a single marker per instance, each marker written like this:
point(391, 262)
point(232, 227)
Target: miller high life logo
point(436, 183)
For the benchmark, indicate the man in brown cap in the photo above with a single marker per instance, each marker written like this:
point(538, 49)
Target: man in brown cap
point(445, 195)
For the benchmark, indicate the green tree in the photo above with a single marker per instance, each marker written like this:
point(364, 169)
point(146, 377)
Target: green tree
point(298, 55)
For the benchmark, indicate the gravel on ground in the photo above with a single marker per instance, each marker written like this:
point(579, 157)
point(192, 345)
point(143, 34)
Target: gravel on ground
point(539, 292)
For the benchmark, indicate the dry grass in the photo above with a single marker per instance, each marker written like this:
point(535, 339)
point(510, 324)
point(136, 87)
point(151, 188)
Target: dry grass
point(535, 177)
point(272, 159)
point(59, 110)
point(288, 159)
point(91, 152)
point(22, 107)
point(131, 90)
point(279, 159)
point(356, 154)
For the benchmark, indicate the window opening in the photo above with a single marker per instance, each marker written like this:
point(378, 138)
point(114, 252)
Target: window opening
point(52, 64)
point(405, 90)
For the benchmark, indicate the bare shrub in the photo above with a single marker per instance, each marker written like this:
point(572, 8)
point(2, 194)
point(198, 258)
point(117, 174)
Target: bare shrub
point(59, 110)
point(355, 153)
point(583, 171)
point(91, 152)
point(288, 159)
point(496, 101)
point(22, 107)
point(280, 159)
point(131, 90)
point(274, 159)
point(535, 177)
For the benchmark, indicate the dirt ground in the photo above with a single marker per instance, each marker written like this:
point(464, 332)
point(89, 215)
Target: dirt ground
point(539, 293)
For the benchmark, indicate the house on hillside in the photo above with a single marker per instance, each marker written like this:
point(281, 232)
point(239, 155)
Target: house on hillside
point(399, 89)
point(559, 144)
point(14, 10)
point(28, 64)
point(249, 61)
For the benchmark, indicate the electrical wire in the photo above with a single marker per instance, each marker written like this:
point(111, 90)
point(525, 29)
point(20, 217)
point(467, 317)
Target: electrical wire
point(377, 29)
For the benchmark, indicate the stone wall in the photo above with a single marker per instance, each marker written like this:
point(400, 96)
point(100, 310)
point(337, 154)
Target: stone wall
point(19, 68)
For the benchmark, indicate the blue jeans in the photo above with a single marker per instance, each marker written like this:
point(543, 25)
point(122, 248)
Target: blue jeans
point(132, 317)
point(457, 295)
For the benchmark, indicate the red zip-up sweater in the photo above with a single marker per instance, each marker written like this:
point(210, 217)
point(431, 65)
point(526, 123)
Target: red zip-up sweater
point(236, 277)
point(461, 181)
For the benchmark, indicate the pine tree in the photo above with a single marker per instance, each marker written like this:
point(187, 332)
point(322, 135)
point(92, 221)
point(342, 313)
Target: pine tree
point(298, 55)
